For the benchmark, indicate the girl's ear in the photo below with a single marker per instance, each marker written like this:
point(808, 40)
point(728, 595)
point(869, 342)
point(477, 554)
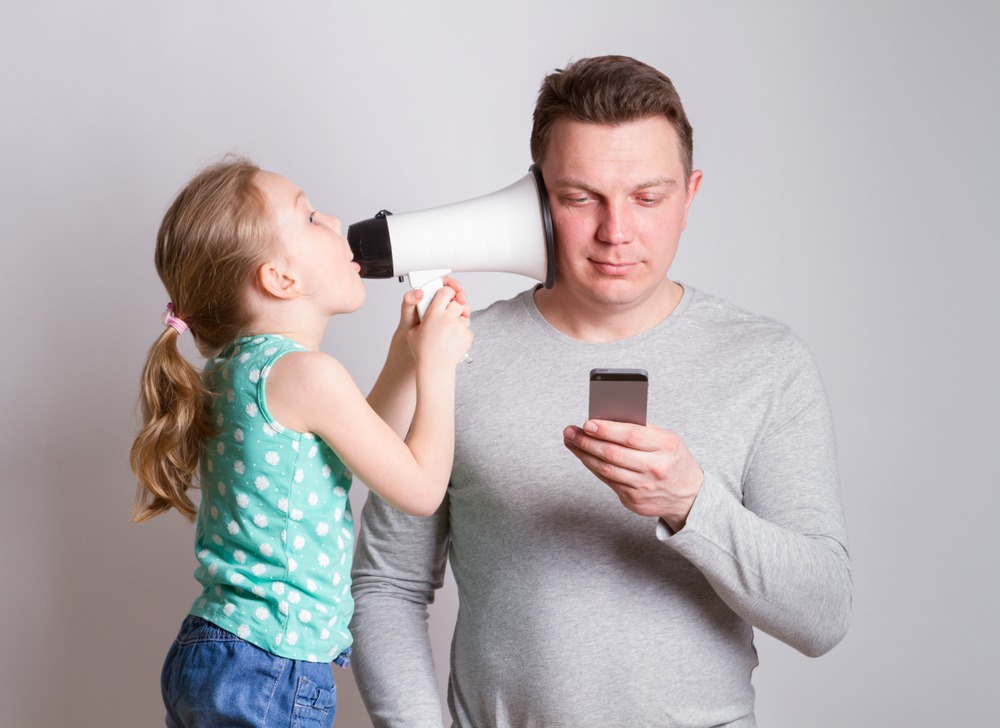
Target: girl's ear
point(277, 279)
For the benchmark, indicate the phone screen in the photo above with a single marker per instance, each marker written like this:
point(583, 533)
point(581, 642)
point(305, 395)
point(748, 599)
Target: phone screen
point(619, 395)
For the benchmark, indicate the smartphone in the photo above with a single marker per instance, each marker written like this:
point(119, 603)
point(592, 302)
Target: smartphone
point(619, 394)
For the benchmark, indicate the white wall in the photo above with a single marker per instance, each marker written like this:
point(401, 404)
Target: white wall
point(850, 189)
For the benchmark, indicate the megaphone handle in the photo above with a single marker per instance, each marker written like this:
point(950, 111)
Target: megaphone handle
point(429, 281)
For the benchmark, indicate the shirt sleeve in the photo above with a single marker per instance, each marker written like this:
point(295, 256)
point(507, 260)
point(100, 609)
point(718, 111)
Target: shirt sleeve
point(779, 558)
point(398, 565)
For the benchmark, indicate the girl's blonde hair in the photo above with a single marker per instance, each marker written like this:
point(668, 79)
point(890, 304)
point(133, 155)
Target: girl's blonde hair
point(212, 240)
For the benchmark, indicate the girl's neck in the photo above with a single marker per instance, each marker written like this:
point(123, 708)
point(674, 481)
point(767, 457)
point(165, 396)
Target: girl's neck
point(302, 326)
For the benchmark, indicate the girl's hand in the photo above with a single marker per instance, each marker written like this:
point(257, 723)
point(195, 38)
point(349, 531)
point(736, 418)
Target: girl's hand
point(443, 337)
point(459, 291)
point(408, 316)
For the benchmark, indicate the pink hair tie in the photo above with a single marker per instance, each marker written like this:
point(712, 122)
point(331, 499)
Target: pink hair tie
point(172, 321)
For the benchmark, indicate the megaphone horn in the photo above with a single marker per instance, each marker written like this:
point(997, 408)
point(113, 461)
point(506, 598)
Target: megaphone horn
point(507, 231)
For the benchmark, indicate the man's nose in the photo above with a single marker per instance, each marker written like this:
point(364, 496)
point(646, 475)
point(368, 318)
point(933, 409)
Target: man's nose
point(616, 223)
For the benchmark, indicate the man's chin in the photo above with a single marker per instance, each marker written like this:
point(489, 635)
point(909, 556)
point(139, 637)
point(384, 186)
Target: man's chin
point(627, 293)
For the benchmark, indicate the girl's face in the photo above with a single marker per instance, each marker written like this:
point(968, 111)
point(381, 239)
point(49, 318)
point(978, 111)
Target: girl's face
point(313, 246)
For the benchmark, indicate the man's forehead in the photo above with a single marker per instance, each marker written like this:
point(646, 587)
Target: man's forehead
point(628, 141)
point(644, 152)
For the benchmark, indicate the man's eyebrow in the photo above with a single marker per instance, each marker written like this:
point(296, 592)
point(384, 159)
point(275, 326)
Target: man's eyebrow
point(570, 182)
point(657, 182)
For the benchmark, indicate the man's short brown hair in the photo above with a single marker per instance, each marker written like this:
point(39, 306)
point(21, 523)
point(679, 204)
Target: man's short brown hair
point(609, 90)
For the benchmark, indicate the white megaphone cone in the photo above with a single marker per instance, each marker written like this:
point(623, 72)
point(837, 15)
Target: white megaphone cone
point(508, 231)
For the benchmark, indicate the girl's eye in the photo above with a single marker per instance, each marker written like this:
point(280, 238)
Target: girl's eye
point(311, 216)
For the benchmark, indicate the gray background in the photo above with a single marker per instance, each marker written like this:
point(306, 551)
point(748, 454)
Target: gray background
point(850, 190)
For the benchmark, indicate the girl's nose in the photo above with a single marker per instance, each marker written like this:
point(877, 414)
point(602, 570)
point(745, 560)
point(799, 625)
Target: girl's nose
point(329, 220)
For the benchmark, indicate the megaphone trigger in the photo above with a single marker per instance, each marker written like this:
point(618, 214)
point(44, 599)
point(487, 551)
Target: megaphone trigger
point(428, 281)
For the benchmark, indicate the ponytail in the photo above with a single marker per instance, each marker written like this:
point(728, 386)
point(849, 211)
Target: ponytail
point(214, 236)
point(166, 451)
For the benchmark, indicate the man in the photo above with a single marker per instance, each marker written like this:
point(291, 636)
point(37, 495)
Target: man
point(629, 598)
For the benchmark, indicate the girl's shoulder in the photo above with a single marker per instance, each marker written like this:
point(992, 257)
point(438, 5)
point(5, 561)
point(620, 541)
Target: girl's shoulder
point(301, 385)
point(307, 366)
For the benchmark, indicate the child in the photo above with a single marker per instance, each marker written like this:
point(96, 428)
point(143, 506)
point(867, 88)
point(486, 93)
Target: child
point(275, 429)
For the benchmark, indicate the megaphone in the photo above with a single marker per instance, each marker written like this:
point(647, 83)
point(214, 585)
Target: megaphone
point(508, 231)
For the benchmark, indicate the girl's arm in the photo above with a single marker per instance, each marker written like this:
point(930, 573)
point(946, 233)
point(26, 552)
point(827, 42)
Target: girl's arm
point(313, 392)
point(394, 394)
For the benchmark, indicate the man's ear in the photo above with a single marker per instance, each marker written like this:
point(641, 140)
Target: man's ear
point(277, 279)
point(694, 184)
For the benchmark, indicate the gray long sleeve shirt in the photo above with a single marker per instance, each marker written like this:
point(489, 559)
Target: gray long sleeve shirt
point(573, 611)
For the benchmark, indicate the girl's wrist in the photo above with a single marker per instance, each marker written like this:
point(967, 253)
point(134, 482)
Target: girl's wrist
point(434, 370)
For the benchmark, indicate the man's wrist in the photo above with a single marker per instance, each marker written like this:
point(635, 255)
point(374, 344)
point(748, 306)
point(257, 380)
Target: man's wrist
point(676, 517)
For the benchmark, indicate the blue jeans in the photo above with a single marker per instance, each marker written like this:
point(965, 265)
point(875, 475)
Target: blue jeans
point(213, 678)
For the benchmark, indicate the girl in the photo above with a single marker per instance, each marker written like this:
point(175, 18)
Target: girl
point(275, 429)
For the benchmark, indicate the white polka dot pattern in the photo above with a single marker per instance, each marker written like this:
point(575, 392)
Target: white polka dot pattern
point(275, 530)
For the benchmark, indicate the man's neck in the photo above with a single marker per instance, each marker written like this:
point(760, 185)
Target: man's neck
point(593, 321)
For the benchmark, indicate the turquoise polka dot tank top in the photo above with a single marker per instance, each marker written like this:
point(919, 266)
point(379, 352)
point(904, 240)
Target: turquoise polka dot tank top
point(274, 533)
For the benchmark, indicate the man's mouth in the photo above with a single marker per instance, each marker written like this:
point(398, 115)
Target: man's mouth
point(613, 268)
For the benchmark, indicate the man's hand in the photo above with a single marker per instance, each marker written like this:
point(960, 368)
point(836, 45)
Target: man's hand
point(650, 469)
